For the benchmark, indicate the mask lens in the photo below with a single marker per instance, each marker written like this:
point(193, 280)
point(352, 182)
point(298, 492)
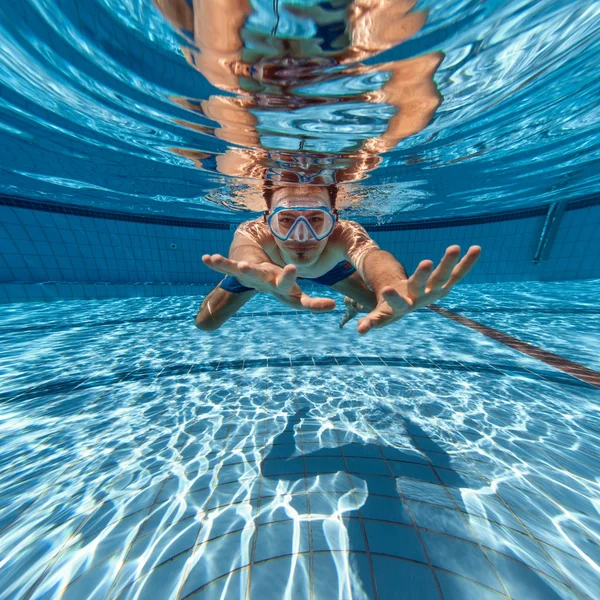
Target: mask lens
point(284, 221)
point(302, 225)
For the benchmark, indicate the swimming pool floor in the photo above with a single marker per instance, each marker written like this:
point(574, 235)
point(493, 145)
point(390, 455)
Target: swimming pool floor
point(284, 458)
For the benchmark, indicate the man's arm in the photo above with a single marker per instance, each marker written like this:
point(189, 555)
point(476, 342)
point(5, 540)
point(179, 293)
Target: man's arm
point(377, 267)
point(220, 305)
point(397, 295)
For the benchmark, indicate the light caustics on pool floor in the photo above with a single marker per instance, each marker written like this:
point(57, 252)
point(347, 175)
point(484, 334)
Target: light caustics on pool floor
point(142, 459)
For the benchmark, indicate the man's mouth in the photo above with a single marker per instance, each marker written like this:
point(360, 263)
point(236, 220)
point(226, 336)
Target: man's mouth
point(300, 249)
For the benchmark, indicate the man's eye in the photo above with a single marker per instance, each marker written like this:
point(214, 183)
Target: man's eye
point(316, 220)
point(286, 220)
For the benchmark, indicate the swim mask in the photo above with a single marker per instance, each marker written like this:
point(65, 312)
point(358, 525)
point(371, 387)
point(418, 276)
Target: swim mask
point(286, 224)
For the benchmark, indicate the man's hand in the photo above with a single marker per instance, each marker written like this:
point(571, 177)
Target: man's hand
point(422, 288)
point(271, 279)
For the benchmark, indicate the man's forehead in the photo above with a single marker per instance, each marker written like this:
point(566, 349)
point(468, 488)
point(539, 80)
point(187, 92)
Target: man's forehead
point(298, 195)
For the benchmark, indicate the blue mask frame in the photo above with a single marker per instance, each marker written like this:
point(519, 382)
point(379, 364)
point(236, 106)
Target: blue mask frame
point(304, 220)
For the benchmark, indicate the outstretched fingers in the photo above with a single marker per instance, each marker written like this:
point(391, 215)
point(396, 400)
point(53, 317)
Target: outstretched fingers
point(464, 266)
point(219, 263)
point(418, 280)
point(373, 320)
point(286, 279)
point(444, 270)
point(317, 304)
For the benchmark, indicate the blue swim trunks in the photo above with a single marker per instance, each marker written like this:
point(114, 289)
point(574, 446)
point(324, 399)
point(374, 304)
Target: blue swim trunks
point(340, 271)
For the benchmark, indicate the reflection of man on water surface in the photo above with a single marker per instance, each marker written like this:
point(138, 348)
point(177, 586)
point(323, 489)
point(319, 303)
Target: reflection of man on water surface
point(305, 111)
point(301, 236)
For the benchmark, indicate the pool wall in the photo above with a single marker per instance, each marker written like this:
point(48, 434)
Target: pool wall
point(50, 251)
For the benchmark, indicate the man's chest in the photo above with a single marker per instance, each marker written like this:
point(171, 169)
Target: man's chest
point(328, 259)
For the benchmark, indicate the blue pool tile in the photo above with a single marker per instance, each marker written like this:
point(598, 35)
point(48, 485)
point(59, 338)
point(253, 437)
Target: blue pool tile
point(223, 521)
point(337, 534)
point(396, 540)
point(324, 360)
point(232, 585)
point(324, 465)
point(361, 450)
point(396, 578)
point(178, 538)
point(276, 468)
point(302, 361)
point(442, 520)
point(515, 545)
point(214, 559)
point(425, 443)
point(230, 493)
point(201, 482)
point(381, 485)
point(385, 509)
point(523, 582)
point(275, 509)
point(310, 448)
point(98, 520)
point(460, 480)
point(412, 471)
point(199, 499)
point(486, 506)
point(94, 581)
point(577, 570)
point(396, 362)
point(281, 538)
point(336, 483)
point(281, 451)
point(521, 500)
point(279, 362)
point(455, 587)
point(329, 504)
point(270, 578)
point(372, 360)
point(425, 492)
point(165, 514)
point(235, 472)
point(367, 466)
point(161, 582)
point(460, 557)
point(348, 360)
point(405, 455)
point(326, 580)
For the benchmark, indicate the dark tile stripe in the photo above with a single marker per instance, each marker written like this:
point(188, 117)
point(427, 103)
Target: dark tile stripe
point(11, 329)
point(65, 386)
point(70, 209)
point(95, 213)
point(554, 360)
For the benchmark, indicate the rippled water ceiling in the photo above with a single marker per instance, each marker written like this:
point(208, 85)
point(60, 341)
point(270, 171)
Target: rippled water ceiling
point(184, 107)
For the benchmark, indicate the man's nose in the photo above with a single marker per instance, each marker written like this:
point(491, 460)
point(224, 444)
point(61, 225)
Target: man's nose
point(301, 233)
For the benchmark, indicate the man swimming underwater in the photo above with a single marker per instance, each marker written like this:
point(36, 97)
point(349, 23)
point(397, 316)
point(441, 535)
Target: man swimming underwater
point(301, 237)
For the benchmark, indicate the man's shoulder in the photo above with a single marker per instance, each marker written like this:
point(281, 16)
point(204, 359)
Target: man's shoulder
point(346, 229)
point(256, 230)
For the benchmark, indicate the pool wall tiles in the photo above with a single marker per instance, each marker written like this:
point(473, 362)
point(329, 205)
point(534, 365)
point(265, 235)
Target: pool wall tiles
point(508, 247)
point(87, 257)
point(77, 256)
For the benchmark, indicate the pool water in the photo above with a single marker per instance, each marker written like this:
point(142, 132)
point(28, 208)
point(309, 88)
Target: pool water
point(283, 457)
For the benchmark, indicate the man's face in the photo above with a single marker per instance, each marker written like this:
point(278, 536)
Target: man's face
point(307, 252)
